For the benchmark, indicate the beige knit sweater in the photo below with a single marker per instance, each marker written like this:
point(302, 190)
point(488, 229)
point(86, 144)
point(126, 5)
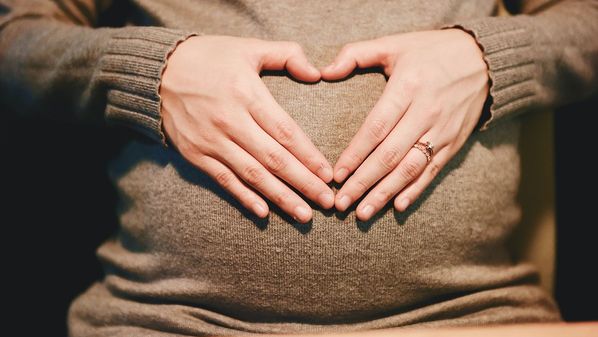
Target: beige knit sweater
point(189, 260)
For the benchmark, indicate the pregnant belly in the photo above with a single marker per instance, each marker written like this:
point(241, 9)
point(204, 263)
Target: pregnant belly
point(184, 240)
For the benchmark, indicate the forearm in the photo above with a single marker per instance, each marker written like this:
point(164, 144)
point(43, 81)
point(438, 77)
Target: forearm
point(539, 59)
point(82, 73)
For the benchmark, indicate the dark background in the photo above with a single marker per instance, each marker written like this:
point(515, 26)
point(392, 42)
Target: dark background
point(61, 207)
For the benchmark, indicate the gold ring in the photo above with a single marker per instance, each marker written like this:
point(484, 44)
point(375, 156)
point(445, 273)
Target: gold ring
point(426, 148)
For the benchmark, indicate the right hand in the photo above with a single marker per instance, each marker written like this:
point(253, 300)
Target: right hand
point(221, 117)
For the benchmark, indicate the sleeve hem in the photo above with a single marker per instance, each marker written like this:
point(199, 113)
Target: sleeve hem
point(507, 48)
point(132, 69)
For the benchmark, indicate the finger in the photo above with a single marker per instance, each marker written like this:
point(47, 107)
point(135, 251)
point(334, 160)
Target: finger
point(284, 129)
point(228, 180)
point(383, 160)
point(282, 163)
point(419, 185)
point(362, 54)
point(278, 55)
point(409, 169)
point(258, 177)
point(389, 109)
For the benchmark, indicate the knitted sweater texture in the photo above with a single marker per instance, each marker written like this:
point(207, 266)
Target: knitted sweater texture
point(189, 260)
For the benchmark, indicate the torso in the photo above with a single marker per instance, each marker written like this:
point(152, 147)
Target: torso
point(184, 241)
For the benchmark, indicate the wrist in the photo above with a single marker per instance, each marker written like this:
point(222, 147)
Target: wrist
point(478, 51)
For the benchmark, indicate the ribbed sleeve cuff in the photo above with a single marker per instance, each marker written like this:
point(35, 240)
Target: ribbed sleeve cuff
point(507, 47)
point(131, 68)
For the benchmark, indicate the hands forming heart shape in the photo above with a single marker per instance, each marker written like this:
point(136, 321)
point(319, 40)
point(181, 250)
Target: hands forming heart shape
point(220, 116)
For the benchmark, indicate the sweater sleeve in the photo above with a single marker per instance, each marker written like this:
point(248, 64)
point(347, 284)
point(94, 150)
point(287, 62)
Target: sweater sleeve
point(56, 63)
point(544, 56)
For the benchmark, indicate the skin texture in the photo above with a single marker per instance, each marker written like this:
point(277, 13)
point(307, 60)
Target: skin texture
point(220, 116)
point(437, 85)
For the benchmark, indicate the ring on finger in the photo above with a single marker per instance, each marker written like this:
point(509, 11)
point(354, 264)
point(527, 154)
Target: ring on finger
point(426, 148)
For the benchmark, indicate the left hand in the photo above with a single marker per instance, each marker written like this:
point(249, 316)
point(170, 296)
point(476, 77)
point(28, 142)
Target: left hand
point(437, 85)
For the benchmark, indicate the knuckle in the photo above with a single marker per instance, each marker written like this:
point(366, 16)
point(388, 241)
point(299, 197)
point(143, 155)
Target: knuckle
point(361, 185)
point(189, 147)
point(354, 159)
point(431, 119)
point(239, 90)
point(253, 175)
point(409, 170)
point(390, 159)
point(428, 117)
point(281, 198)
point(399, 101)
point(221, 121)
point(312, 163)
point(347, 49)
point(383, 196)
point(275, 161)
point(254, 105)
point(284, 133)
point(224, 179)
point(411, 84)
point(307, 187)
point(210, 149)
point(246, 198)
point(377, 129)
point(433, 112)
point(434, 169)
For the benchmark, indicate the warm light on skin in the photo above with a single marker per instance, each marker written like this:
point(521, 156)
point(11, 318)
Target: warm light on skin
point(438, 82)
point(437, 85)
point(231, 127)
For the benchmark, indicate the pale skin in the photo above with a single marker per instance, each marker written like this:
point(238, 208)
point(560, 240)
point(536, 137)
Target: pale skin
point(220, 116)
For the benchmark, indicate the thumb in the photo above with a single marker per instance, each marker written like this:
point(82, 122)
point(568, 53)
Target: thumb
point(363, 54)
point(279, 55)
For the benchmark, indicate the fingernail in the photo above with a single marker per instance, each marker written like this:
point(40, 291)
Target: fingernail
point(341, 174)
point(367, 211)
point(403, 204)
point(326, 199)
point(301, 214)
point(344, 202)
point(325, 173)
point(259, 210)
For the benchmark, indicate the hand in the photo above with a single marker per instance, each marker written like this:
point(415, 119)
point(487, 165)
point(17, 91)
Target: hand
point(220, 116)
point(437, 85)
